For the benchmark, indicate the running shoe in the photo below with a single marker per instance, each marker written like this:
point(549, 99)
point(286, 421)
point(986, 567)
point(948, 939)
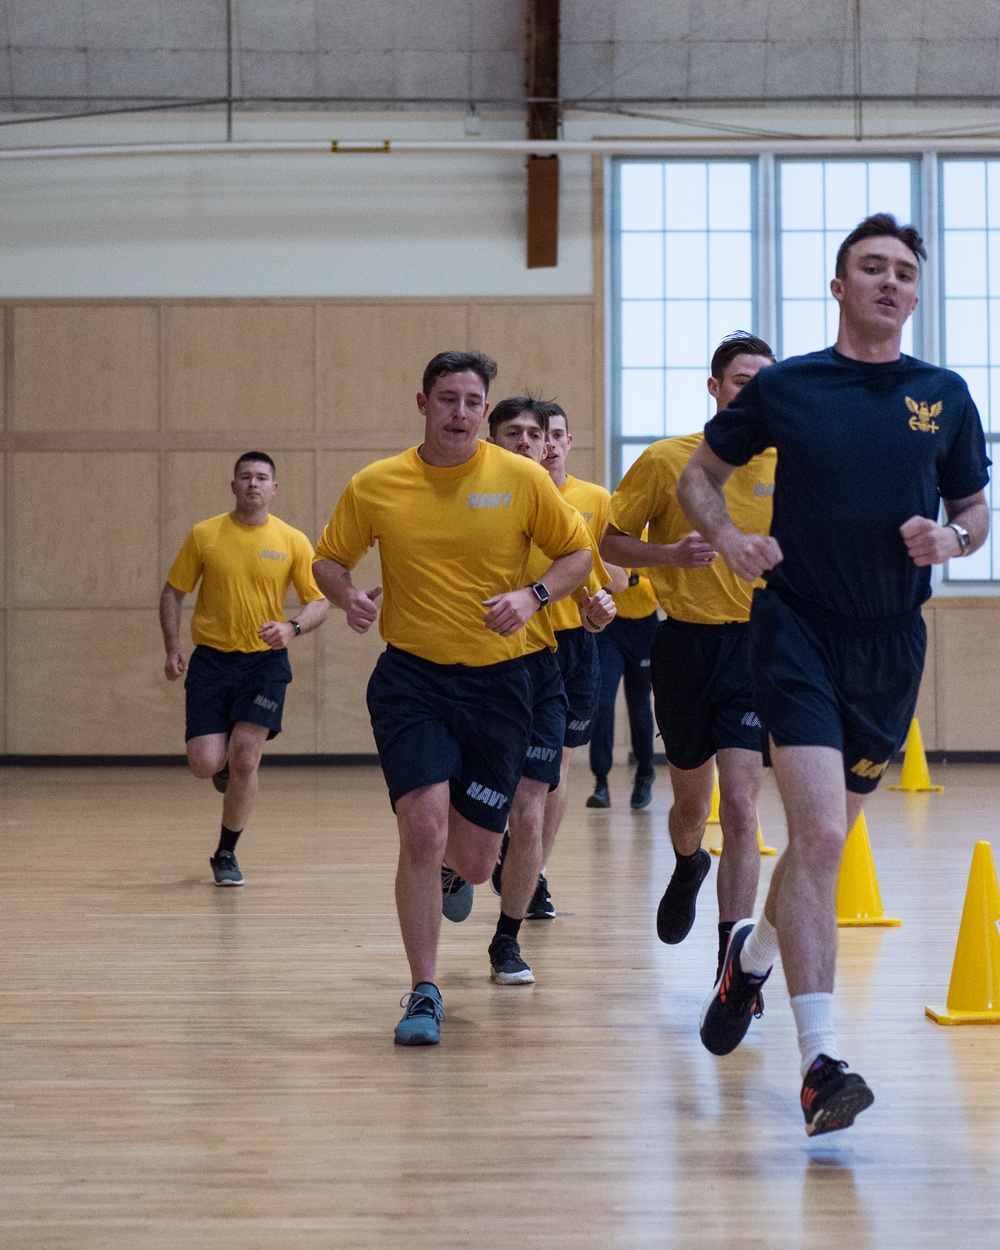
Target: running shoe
point(421, 1022)
point(735, 999)
point(506, 965)
point(540, 907)
point(456, 896)
point(602, 795)
point(642, 790)
point(225, 869)
point(496, 878)
point(831, 1097)
point(675, 914)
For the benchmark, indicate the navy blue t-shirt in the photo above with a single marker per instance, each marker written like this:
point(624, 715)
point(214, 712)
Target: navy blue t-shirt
point(861, 449)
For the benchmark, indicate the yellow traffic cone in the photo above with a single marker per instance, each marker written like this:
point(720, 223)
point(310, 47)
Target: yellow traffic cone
point(915, 774)
point(859, 901)
point(713, 815)
point(974, 992)
point(764, 850)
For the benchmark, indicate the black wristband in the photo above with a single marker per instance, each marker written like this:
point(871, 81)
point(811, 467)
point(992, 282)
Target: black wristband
point(297, 627)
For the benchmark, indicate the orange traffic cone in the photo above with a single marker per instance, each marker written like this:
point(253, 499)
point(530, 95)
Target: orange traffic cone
point(859, 901)
point(915, 774)
point(764, 850)
point(974, 992)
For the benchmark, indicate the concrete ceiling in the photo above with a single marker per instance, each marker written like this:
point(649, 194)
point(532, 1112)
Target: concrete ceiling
point(66, 56)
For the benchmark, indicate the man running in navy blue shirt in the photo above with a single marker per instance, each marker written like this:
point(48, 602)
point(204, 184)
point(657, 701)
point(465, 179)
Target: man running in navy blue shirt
point(870, 444)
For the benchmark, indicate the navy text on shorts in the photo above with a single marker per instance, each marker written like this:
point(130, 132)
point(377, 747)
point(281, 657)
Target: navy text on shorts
point(841, 682)
point(467, 725)
point(581, 674)
point(548, 719)
point(223, 687)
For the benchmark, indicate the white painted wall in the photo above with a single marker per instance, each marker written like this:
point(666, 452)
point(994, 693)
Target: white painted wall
point(311, 225)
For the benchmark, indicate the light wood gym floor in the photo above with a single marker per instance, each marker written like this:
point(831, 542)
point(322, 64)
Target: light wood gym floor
point(186, 1066)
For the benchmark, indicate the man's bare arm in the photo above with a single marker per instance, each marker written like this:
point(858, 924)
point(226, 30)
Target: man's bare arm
point(691, 552)
point(699, 492)
point(929, 543)
point(171, 600)
point(279, 634)
point(512, 610)
point(361, 606)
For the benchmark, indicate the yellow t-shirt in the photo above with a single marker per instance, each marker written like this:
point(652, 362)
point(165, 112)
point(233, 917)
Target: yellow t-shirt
point(245, 573)
point(448, 539)
point(648, 494)
point(592, 502)
point(637, 600)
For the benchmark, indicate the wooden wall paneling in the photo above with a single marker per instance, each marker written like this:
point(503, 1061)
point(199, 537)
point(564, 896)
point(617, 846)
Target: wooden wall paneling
point(86, 367)
point(5, 716)
point(545, 348)
point(967, 691)
point(346, 659)
point(85, 529)
point(241, 367)
point(198, 487)
point(370, 361)
point(5, 349)
point(91, 682)
point(926, 712)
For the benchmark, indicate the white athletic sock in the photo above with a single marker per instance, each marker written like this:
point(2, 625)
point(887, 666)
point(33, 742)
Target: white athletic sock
point(761, 948)
point(814, 1021)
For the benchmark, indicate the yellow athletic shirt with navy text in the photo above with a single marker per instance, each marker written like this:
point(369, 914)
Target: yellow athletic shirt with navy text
point(245, 573)
point(448, 539)
point(592, 503)
point(648, 494)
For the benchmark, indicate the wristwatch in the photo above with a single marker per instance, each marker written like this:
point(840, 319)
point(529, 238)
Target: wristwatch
point(297, 627)
point(541, 593)
point(964, 541)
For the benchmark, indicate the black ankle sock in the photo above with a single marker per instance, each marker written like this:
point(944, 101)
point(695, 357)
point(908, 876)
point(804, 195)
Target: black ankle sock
point(508, 926)
point(687, 865)
point(725, 928)
point(643, 771)
point(601, 782)
point(228, 839)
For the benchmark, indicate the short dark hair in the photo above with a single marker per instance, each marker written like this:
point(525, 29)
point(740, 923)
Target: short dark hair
point(459, 362)
point(508, 409)
point(556, 410)
point(739, 343)
point(255, 456)
point(873, 226)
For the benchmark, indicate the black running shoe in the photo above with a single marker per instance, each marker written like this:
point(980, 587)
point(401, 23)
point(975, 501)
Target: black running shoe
point(675, 914)
point(642, 790)
point(496, 879)
point(456, 896)
point(831, 1097)
point(602, 795)
point(225, 869)
point(540, 907)
point(735, 999)
point(506, 965)
point(221, 779)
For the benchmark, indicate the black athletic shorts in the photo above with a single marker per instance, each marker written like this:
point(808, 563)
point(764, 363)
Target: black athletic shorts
point(548, 719)
point(452, 722)
point(223, 687)
point(581, 674)
point(832, 681)
point(702, 693)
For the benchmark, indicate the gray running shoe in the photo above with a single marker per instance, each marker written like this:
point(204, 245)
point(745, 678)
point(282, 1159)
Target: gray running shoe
point(421, 1022)
point(506, 965)
point(225, 869)
point(221, 779)
point(456, 896)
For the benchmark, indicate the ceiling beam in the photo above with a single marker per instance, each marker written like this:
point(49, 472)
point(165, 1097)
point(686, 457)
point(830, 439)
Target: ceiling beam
point(542, 89)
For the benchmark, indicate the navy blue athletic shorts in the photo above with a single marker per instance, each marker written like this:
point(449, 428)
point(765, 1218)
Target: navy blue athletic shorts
point(223, 687)
point(833, 681)
point(581, 674)
point(702, 693)
point(548, 719)
point(458, 723)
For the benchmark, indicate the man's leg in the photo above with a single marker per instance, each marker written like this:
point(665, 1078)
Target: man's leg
point(740, 776)
point(541, 907)
point(422, 819)
point(207, 754)
point(246, 746)
point(521, 869)
point(603, 737)
point(686, 823)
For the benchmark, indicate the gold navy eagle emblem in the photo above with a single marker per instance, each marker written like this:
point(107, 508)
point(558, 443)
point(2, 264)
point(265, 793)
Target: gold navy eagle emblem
point(923, 417)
